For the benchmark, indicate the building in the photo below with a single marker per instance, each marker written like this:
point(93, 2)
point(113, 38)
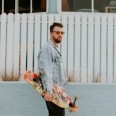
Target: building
point(57, 6)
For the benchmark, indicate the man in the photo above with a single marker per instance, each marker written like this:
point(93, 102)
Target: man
point(50, 62)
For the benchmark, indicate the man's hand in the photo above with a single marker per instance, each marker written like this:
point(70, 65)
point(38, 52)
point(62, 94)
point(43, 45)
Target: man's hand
point(48, 96)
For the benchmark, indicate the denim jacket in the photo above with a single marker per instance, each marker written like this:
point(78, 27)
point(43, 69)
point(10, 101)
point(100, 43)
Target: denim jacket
point(50, 61)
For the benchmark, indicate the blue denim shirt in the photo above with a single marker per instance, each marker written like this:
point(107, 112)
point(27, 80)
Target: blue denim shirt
point(50, 61)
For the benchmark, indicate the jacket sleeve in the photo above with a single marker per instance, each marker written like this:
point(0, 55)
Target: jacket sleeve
point(45, 63)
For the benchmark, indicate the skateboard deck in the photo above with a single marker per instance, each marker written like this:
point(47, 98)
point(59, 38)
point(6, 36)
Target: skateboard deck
point(60, 98)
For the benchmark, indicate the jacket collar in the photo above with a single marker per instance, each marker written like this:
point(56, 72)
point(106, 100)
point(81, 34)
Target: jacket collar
point(52, 44)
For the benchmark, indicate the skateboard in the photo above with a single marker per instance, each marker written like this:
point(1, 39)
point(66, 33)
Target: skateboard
point(60, 98)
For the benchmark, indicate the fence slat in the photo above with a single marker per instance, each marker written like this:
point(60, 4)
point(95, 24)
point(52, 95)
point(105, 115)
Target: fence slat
point(77, 58)
point(3, 43)
point(64, 42)
point(90, 48)
point(23, 43)
point(50, 21)
point(110, 49)
point(57, 18)
point(70, 36)
point(16, 44)
point(10, 44)
point(97, 50)
point(44, 30)
point(84, 50)
point(36, 40)
point(30, 43)
point(115, 49)
point(103, 48)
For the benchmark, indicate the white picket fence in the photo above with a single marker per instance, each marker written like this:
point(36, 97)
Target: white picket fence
point(88, 47)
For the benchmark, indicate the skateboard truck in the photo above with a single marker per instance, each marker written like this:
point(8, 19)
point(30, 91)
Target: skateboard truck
point(38, 78)
point(75, 98)
point(72, 105)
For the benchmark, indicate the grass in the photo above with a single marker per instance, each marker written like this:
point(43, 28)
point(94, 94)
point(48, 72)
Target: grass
point(71, 77)
point(97, 78)
point(16, 77)
point(11, 77)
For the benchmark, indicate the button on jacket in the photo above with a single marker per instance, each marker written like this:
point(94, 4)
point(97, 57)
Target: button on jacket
point(50, 61)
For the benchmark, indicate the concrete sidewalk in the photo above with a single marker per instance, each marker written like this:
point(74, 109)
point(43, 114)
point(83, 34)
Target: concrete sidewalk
point(20, 99)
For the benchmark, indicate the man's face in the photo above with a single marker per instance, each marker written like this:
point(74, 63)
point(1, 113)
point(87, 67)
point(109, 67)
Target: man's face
point(57, 34)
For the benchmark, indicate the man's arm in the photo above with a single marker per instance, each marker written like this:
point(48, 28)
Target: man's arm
point(45, 64)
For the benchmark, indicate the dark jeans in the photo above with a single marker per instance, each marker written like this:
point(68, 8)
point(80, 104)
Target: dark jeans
point(54, 110)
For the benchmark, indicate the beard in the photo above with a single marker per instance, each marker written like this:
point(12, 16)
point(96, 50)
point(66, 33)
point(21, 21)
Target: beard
point(57, 40)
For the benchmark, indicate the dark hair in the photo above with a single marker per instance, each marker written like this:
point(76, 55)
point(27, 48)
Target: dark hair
point(54, 25)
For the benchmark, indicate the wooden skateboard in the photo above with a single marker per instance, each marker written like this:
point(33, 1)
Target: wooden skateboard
point(60, 98)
